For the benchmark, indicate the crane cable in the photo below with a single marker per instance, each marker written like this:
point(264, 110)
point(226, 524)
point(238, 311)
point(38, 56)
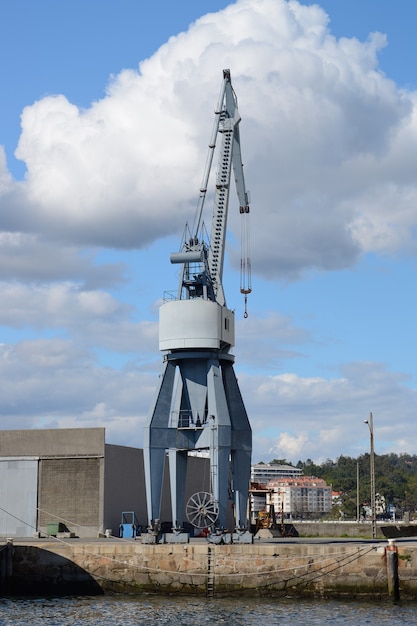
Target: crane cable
point(245, 260)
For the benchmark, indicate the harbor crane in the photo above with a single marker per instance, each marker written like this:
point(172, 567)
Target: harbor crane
point(198, 404)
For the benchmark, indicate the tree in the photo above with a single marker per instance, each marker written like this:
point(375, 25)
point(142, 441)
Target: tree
point(280, 462)
point(396, 479)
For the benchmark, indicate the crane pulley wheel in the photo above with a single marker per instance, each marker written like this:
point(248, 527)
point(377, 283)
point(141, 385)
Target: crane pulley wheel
point(202, 510)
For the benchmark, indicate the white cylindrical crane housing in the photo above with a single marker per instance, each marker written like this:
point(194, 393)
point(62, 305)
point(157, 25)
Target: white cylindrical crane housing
point(195, 323)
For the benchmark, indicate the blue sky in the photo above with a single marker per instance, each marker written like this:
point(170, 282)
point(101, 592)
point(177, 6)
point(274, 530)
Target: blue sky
point(106, 113)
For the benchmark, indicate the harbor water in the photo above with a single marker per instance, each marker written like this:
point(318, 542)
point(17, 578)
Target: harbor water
point(180, 611)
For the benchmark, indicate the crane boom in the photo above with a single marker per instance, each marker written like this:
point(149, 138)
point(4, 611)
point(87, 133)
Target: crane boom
point(202, 272)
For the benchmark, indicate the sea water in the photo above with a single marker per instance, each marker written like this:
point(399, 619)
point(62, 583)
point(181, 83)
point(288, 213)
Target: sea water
point(180, 611)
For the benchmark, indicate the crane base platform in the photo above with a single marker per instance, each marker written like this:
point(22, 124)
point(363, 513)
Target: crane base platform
point(242, 537)
point(177, 538)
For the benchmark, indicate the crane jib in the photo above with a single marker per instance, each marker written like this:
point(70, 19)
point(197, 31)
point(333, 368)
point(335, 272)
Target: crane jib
point(202, 260)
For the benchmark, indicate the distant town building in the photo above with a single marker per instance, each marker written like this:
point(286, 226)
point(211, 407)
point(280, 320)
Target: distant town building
point(263, 473)
point(337, 498)
point(380, 506)
point(299, 497)
point(284, 489)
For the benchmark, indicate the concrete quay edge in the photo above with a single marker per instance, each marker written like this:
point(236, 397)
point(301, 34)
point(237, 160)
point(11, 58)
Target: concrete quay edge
point(276, 567)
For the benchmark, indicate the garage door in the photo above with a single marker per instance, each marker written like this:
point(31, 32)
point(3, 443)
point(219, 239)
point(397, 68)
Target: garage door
point(18, 496)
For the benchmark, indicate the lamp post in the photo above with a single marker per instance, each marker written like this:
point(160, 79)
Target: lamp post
point(372, 470)
point(358, 511)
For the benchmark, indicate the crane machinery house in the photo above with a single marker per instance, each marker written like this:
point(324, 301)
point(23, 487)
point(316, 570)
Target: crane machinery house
point(198, 404)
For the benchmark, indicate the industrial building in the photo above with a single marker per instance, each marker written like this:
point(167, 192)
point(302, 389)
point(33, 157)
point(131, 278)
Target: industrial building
point(71, 476)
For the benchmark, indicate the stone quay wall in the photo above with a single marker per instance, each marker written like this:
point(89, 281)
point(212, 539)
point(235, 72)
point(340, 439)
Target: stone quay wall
point(348, 529)
point(337, 529)
point(333, 570)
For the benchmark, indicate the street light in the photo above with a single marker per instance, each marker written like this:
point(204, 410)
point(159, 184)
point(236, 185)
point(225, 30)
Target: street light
point(372, 470)
point(358, 510)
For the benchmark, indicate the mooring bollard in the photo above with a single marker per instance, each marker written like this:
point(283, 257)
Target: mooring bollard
point(391, 553)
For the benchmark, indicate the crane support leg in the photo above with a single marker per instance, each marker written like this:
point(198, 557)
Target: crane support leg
point(220, 441)
point(156, 440)
point(241, 444)
point(177, 476)
point(241, 467)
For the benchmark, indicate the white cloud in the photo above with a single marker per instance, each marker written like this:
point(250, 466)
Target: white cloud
point(56, 305)
point(29, 258)
point(290, 446)
point(92, 318)
point(324, 135)
point(298, 417)
point(5, 176)
point(54, 383)
point(263, 343)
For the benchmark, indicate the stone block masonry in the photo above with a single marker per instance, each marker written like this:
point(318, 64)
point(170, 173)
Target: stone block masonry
point(325, 570)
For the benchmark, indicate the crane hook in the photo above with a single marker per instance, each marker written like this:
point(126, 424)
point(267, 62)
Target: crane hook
point(245, 315)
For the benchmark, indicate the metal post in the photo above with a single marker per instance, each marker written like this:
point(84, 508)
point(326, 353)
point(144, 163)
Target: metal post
point(358, 514)
point(391, 553)
point(372, 471)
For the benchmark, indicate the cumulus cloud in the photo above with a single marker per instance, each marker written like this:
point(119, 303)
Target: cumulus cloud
point(59, 305)
point(299, 417)
point(29, 258)
point(93, 318)
point(325, 135)
point(55, 383)
point(264, 342)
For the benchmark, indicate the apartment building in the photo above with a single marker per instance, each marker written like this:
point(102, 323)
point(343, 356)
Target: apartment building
point(299, 497)
point(263, 473)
